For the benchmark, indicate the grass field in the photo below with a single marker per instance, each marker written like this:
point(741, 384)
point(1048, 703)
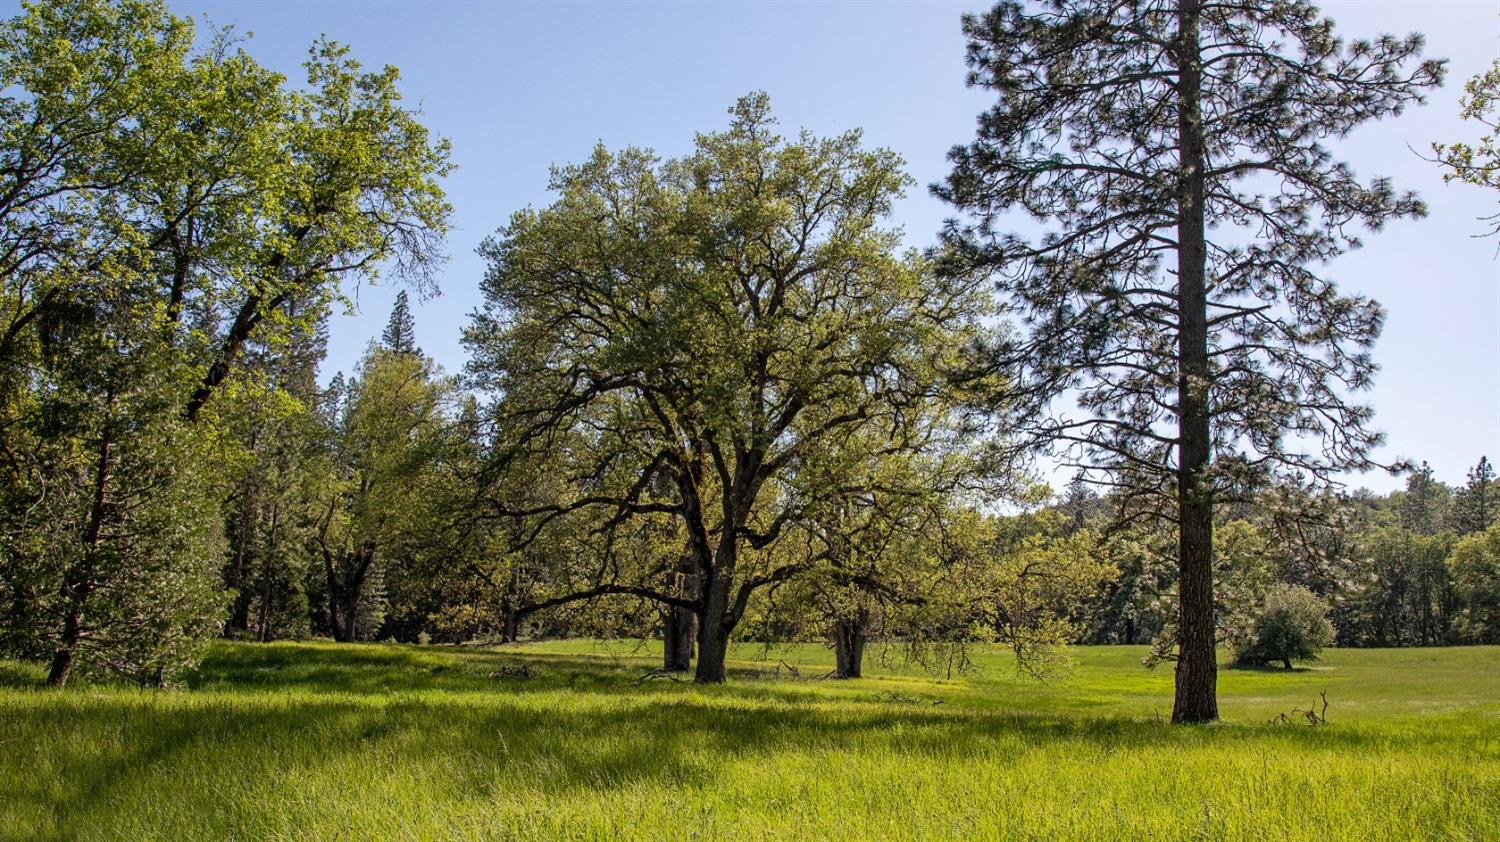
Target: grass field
point(348, 742)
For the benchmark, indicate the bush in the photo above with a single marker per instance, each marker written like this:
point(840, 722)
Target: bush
point(1293, 626)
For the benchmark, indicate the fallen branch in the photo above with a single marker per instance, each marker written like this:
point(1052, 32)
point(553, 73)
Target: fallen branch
point(1312, 716)
point(659, 672)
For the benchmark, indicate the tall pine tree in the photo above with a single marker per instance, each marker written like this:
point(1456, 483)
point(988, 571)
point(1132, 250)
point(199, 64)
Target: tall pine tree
point(400, 332)
point(1474, 504)
point(1176, 149)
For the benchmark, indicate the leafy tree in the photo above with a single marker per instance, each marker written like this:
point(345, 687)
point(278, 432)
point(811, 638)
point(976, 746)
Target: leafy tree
point(1176, 146)
point(393, 430)
point(1407, 601)
point(1031, 586)
point(1293, 626)
point(1477, 163)
point(170, 207)
point(271, 439)
point(690, 330)
point(1474, 565)
point(109, 547)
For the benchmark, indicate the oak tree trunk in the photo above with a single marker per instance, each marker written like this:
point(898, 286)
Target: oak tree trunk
point(713, 633)
point(679, 627)
point(849, 646)
point(62, 658)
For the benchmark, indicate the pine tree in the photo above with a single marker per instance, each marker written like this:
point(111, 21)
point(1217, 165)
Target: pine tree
point(1474, 504)
point(400, 332)
point(1177, 146)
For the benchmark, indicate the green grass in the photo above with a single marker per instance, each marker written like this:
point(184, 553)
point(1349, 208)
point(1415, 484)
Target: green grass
point(343, 742)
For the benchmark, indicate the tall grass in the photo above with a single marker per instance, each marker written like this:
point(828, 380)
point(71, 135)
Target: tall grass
point(324, 741)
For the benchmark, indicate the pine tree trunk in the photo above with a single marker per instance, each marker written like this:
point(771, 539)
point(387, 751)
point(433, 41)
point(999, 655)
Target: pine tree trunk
point(1197, 671)
point(849, 646)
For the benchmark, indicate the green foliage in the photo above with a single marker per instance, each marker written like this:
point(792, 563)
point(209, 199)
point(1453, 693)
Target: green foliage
point(700, 348)
point(1291, 626)
point(400, 330)
point(388, 440)
point(1474, 565)
point(173, 212)
point(1477, 163)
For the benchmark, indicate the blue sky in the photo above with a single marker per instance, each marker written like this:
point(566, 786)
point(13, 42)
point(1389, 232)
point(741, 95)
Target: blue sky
point(517, 87)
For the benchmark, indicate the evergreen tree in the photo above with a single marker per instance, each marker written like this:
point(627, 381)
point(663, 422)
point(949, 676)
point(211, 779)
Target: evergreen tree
point(1474, 504)
point(1423, 502)
point(400, 331)
point(1177, 148)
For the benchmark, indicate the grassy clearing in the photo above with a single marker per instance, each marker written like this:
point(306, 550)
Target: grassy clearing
point(299, 741)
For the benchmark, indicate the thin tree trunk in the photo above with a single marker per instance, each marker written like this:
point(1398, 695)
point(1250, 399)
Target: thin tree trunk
point(79, 579)
point(678, 630)
point(239, 611)
point(1197, 671)
point(62, 658)
point(679, 627)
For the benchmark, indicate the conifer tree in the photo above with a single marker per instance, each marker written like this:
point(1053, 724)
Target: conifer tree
point(1474, 504)
point(1176, 149)
point(400, 331)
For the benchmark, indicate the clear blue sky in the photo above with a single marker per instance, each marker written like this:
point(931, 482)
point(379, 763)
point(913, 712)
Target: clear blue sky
point(520, 86)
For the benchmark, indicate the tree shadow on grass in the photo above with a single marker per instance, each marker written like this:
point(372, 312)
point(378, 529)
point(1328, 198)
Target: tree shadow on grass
point(620, 736)
point(1269, 669)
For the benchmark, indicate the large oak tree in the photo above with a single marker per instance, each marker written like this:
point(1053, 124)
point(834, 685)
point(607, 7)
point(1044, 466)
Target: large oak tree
point(678, 337)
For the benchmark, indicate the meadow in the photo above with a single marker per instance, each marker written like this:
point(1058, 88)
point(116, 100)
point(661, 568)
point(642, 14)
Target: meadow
point(566, 740)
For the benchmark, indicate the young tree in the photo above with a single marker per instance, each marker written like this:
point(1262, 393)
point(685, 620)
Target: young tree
point(1292, 626)
point(689, 330)
point(1177, 148)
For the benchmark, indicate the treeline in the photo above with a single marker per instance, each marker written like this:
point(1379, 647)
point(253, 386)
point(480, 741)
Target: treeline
point(1416, 567)
point(711, 397)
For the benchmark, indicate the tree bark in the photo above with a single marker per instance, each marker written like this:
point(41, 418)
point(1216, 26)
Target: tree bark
point(713, 633)
point(1197, 672)
point(62, 658)
point(679, 626)
point(849, 645)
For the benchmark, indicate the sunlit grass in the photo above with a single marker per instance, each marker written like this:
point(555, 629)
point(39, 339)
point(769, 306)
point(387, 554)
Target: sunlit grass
point(302, 741)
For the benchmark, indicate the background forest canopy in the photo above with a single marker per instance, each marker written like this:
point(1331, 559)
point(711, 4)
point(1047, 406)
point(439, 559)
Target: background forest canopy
point(709, 397)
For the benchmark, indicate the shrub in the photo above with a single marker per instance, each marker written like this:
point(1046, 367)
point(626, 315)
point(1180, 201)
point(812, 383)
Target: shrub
point(1293, 626)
